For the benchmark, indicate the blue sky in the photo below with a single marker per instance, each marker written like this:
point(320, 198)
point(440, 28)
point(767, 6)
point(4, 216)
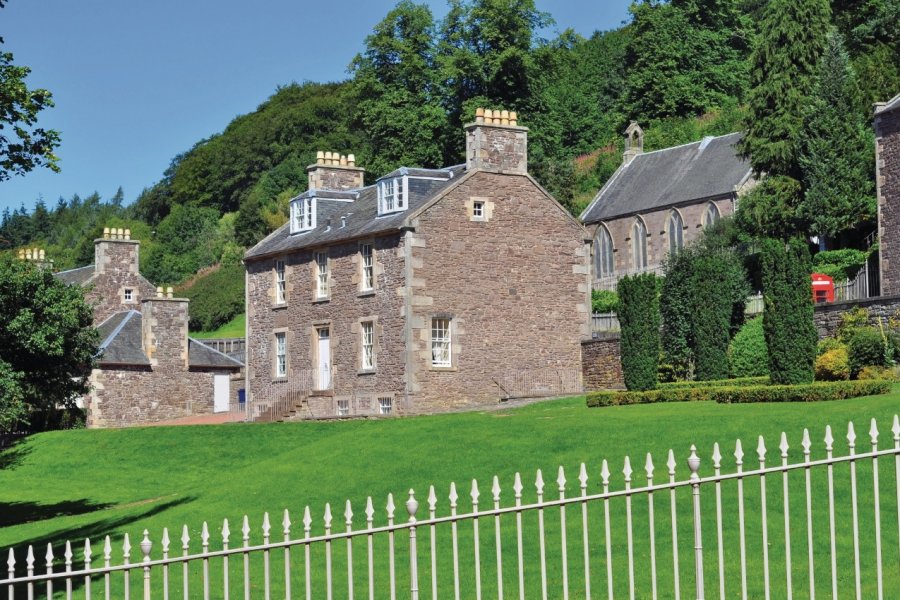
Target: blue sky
point(135, 82)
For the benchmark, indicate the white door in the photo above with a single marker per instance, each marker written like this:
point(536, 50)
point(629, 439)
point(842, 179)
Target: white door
point(222, 391)
point(324, 359)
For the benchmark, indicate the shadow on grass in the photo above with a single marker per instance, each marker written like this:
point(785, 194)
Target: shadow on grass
point(95, 531)
point(13, 452)
point(18, 513)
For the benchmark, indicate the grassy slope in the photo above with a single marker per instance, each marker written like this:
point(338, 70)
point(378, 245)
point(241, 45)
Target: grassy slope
point(68, 485)
point(232, 329)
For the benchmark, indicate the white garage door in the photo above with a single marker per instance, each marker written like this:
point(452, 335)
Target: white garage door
point(222, 387)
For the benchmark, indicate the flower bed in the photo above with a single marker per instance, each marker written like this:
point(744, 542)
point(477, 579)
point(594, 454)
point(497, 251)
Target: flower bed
point(739, 394)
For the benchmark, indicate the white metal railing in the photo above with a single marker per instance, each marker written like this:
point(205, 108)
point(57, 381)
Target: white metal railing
point(826, 508)
point(282, 398)
point(612, 282)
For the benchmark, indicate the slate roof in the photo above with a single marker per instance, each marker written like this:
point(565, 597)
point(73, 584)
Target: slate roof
point(361, 215)
point(709, 168)
point(892, 104)
point(78, 276)
point(121, 345)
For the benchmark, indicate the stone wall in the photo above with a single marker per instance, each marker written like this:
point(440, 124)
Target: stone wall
point(514, 285)
point(601, 364)
point(347, 305)
point(124, 396)
point(115, 271)
point(657, 238)
point(828, 315)
point(887, 132)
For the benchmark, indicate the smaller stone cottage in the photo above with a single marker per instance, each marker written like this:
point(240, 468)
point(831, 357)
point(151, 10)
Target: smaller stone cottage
point(657, 202)
point(148, 368)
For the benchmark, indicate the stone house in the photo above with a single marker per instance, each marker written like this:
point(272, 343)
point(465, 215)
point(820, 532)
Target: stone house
point(148, 368)
point(430, 290)
point(656, 202)
point(887, 176)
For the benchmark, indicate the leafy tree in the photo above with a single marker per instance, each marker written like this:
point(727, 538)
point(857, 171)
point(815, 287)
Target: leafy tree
point(836, 160)
point(47, 344)
point(784, 60)
point(683, 58)
point(771, 209)
point(186, 242)
point(638, 313)
point(23, 146)
point(217, 298)
point(788, 318)
point(397, 91)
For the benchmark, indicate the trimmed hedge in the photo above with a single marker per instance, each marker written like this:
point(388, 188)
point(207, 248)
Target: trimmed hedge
point(639, 319)
point(737, 382)
point(747, 354)
point(737, 394)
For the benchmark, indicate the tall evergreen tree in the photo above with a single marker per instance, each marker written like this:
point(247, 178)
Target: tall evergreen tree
point(836, 150)
point(785, 57)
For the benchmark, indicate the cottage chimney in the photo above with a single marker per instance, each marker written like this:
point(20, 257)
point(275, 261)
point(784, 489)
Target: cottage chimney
point(116, 251)
point(634, 142)
point(35, 255)
point(335, 172)
point(164, 331)
point(496, 142)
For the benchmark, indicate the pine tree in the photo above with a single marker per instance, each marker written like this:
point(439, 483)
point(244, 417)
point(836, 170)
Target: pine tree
point(639, 317)
point(836, 157)
point(785, 56)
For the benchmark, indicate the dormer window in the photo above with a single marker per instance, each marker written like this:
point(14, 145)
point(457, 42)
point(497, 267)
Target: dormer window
point(303, 214)
point(392, 195)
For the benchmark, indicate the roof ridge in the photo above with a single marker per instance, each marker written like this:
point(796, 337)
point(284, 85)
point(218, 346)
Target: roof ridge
point(700, 141)
point(75, 269)
point(195, 340)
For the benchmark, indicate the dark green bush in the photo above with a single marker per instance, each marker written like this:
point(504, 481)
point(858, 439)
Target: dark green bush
point(216, 298)
point(840, 264)
point(604, 301)
point(736, 382)
point(747, 354)
point(866, 347)
point(788, 319)
point(729, 394)
point(639, 320)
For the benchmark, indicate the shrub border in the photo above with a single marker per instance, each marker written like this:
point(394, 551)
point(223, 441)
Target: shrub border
point(737, 394)
point(736, 382)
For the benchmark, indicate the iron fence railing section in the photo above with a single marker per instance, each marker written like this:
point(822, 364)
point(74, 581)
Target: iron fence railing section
point(825, 524)
point(540, 383)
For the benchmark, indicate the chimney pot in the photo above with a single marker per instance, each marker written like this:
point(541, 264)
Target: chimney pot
point(343, 160)
point(504, 117)
point(21, 254)
point(488, 116)
point(513, 118)
point(28, 253)
point(320, 158)
point(327, 158)
point(168, 292)
point(351, 160)
point(42, 255)
point(127, 234)
point(106, 233)
point(479, 115)
point(159, 292)
point(121, 233)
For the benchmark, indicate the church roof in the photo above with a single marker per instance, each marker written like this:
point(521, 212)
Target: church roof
point(892, 104)
point(709, 168)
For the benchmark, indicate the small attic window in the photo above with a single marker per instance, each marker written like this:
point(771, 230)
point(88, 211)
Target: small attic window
point(392, 195)
point(303, 214)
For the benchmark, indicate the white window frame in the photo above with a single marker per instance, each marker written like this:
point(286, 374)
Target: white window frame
point(675, 231)
point(343, 407)
point(280, 354)
point(323, 274)
point(392, 195)
point(303, 214)
point(367, 267)
point(441, 342)
point(128, 294)
point(604, 263)
point(478, 209)
point(711, 215)
point(280, 282)
point(385, 405)
point(367, 345)
point(639, 244)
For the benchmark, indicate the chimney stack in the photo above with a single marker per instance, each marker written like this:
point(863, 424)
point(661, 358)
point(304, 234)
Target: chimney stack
point(634, 142)
point(496, 142)
point(335, 172)
point(116, 251)
point(164, 330)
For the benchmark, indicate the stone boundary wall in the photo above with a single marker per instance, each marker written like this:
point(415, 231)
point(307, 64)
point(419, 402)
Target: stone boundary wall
point(601, 363)
point(828, 315)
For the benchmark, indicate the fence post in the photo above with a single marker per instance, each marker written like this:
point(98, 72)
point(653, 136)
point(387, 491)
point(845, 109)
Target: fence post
point(412, 505)
point(146, 545)
point(694, 465)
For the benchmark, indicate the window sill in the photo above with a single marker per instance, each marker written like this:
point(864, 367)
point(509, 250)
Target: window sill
point(365, 293)
point(366, 371)
point(322, 392)
point(282, 379)
point(450, 369)
point(278, 306)
point(322, 300)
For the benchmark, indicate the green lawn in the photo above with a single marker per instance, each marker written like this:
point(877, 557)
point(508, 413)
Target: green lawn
point(69, 485)
point(232, 329)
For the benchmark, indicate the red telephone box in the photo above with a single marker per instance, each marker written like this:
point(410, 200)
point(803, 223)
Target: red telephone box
point(822, 288)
